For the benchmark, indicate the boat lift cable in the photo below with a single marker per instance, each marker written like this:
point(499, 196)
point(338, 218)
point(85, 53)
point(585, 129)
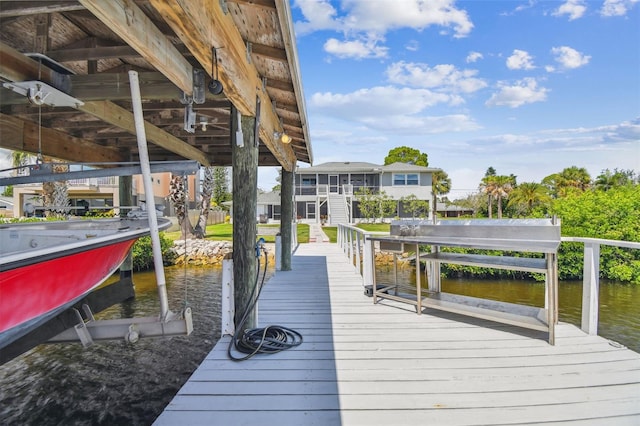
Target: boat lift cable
point(266, 340)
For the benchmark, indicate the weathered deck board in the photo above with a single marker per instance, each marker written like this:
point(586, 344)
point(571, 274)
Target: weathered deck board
point(365, 364)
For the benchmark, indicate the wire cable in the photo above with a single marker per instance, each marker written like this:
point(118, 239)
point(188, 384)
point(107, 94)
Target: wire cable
point(267, 340)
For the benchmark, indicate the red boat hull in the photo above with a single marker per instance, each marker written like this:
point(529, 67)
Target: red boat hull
point(33, 291)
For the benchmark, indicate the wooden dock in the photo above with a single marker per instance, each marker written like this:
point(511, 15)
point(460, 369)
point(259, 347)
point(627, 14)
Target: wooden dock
point(366, 364)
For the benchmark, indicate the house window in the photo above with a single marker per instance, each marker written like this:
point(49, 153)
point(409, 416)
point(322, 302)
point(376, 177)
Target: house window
point(402, 179)
point(308, 181)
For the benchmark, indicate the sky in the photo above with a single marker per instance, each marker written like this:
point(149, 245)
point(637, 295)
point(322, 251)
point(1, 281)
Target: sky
point(526, 87)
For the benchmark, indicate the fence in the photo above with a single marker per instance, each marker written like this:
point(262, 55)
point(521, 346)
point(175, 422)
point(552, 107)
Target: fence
point(352, 241)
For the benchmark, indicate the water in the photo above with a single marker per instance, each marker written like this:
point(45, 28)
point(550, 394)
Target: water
point(619, 314)
point(115, 382)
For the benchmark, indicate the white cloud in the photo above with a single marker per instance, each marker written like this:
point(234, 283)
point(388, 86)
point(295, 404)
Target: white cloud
point(320, 15)
point(357, 17)
point(389, 109)
point(474, 56)
point(412, 45)
point(358, 49)
point(377, 102)
point(525, 91)
point(446, 77)
point(574, 8)
point(569, 58)
point(617, 7)
point(520, 60)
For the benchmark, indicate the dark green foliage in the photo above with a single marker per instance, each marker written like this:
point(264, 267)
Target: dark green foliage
point(613, 214)
point(143, 252)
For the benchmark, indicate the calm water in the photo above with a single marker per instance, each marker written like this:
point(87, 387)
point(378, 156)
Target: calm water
point(116, 383)
point(619, 303)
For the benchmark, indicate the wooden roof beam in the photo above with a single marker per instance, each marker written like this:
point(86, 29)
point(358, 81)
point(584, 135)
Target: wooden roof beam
point(21, 8)
point(201, 25)
point(130, 23)
point(19, 135)
point(14, 66)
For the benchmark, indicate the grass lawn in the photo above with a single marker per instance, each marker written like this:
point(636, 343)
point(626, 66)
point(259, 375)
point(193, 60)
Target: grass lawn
point(375, 227)
point(224, 232)
point(332, 233)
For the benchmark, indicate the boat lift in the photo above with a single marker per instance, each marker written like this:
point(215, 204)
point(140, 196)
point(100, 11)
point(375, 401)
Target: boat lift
point(87, 329)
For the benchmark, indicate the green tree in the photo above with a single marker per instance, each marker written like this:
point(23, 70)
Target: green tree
point(502, 187)
point(373, 206)
point(220, 192)
point(441, 185)
point(405, 154)
point(569, 180)
point(612, 214)
point(608, 179)
point(487, 186)
point(528, 195)
point(368, 203)
point(417, 208)
point(8, 191)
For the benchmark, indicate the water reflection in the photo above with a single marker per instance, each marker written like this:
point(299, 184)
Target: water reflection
point(115, 382)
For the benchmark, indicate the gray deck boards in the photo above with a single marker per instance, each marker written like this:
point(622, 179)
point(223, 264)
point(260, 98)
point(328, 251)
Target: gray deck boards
point(365, 364)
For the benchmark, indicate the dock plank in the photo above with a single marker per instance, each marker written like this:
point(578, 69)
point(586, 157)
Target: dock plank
point(366, 364)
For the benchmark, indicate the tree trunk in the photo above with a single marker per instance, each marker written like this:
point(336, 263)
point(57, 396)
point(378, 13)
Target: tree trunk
point(207, 189)
point(178, 197)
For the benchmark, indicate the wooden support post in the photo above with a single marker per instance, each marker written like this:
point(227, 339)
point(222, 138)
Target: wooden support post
point(245, 209)
point(125, 184)
point(286, 218)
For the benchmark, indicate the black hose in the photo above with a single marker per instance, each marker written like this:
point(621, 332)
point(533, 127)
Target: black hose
point(266, 340)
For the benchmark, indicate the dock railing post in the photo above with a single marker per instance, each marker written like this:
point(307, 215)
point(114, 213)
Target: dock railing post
point(367, 262)
point(228, 305)
point(590, 288)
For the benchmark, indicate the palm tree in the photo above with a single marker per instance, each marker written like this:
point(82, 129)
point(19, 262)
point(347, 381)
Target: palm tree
point(488, 187)
point(527, 195)
point(502, 186)
point(608, 179)
point(19, 159)
point(441, 185)
point(570, 179)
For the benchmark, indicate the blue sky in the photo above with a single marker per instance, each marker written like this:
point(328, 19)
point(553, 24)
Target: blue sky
point(526, 87)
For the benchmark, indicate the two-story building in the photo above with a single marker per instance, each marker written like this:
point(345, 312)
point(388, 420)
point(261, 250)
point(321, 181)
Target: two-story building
point(328, 190)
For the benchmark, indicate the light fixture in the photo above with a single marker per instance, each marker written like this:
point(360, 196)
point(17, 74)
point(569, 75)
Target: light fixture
point(203, 123)
point(282, 137)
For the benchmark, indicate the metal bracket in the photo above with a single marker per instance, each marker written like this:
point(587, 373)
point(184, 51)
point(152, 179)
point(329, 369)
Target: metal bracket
point(224, 6)
point(129, 329)
point(198, 86)
point(189, 119)
point(81, 329)
point(40, 93)
point(248, 52)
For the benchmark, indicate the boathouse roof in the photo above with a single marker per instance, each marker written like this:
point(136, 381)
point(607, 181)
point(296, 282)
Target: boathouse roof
point(85, 49)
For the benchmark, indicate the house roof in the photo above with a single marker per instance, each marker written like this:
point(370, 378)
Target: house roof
point(341, 166)
point(362, 167)
point(272, 197)
point(406, 167)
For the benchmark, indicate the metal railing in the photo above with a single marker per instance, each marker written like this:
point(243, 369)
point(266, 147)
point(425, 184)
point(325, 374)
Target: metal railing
point(352, 240)
point(591, 277)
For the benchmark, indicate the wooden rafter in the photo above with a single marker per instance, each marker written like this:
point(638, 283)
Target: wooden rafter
point(19, 135)
point(201, 25)
point(14, 66)
point(130, 23)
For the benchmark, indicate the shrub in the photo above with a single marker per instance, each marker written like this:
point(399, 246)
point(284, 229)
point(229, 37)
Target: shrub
point(143, 252)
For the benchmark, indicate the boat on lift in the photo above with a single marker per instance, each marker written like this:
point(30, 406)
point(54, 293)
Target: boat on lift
point(48, 266)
